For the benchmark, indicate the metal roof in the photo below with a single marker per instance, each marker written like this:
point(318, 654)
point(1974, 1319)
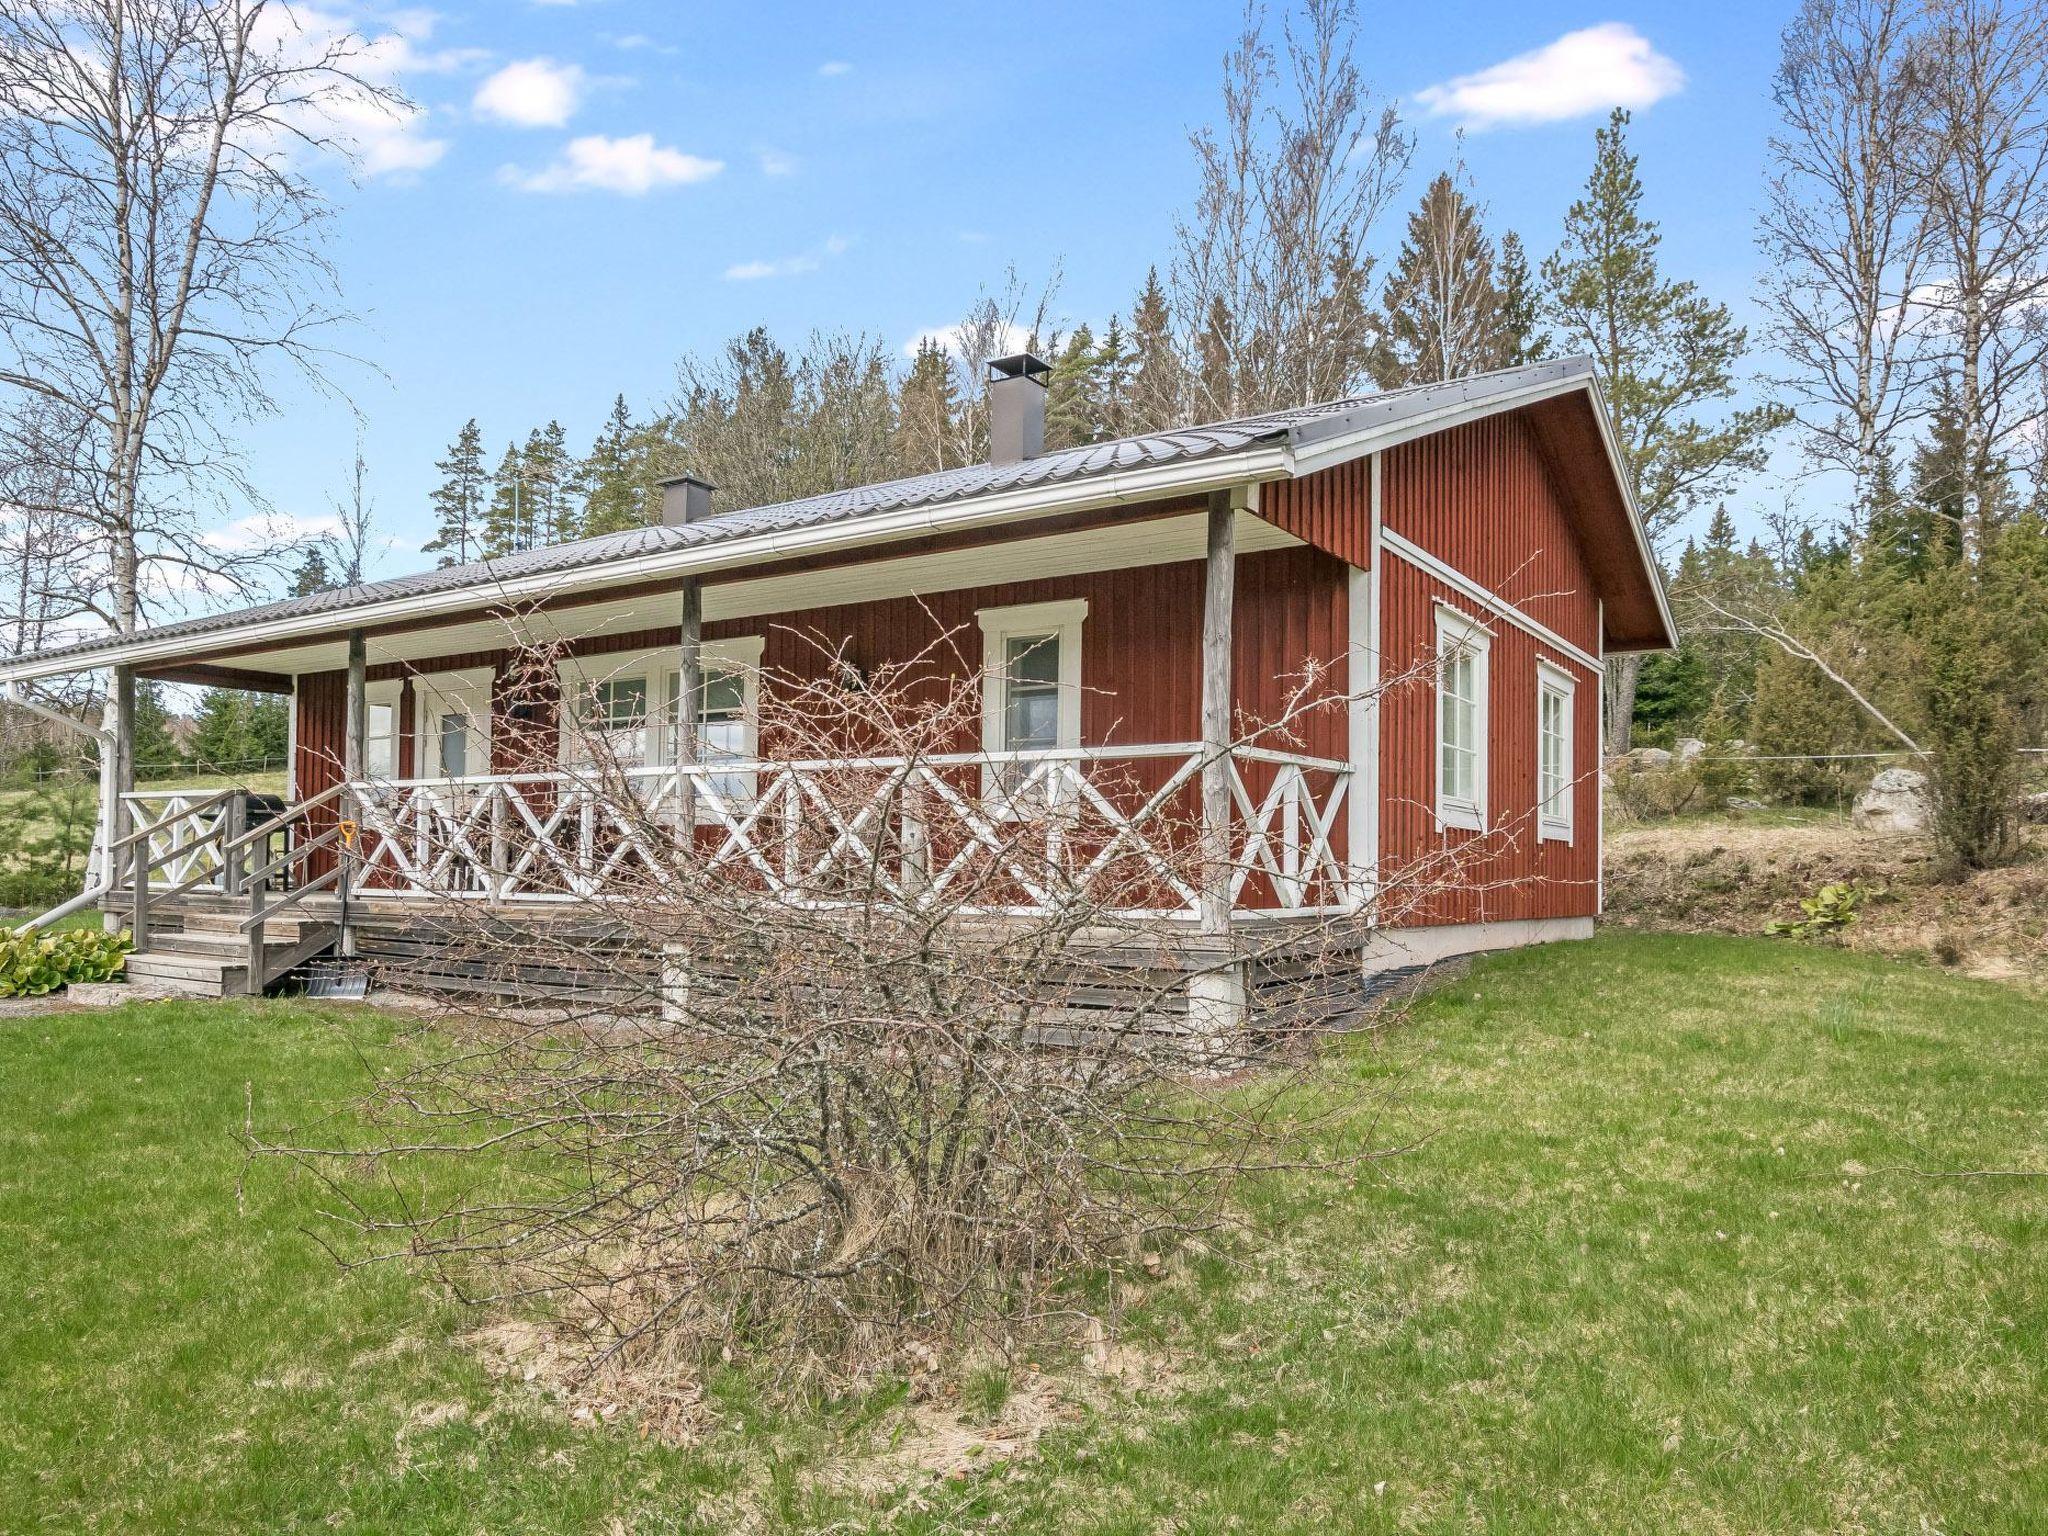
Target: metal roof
point(1299, 428)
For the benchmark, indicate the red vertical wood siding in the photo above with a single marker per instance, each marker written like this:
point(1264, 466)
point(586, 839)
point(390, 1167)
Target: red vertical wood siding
point(1331, 509)
point(1479, 499)
point(1140, 657)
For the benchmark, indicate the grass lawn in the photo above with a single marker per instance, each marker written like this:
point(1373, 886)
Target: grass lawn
point(1646, 1273)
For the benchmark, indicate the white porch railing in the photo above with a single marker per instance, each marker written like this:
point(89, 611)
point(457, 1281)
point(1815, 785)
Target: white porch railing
point(1064, 825)
point(180, 824)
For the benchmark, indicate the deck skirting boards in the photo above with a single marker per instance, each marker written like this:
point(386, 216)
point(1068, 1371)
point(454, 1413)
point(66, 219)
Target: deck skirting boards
point(1396, 948)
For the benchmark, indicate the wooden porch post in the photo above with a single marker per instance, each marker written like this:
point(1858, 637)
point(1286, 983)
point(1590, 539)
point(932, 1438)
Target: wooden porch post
point(1219, 590)
point(1216, 991)
point(689, 683)
point(120, 773)
point(354, 756)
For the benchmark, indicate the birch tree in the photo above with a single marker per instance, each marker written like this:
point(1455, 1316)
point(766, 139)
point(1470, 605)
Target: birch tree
point(1983, 157)
point(1844, 233)
point(1270, 273)
point(160, 250)
point(1665, 355)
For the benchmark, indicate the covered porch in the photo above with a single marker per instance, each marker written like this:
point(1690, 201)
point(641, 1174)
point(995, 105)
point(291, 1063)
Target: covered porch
point(451, 762)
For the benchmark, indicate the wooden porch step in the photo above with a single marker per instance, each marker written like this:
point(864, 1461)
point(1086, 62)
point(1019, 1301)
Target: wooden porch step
point(204, 963)
point(193, 975)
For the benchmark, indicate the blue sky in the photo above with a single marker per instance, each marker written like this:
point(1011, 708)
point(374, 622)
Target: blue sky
point(594, 188)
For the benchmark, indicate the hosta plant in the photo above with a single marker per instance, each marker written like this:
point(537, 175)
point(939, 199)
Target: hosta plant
point(33, 964)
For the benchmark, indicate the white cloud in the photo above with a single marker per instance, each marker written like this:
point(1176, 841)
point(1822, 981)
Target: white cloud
point(1015, 339)
point(788, 266)
point(631, 166)
point(777, 162)
point(833, 67)
point(386, 139)
point(268, 530)
point(532, 93)
point(1590, 70)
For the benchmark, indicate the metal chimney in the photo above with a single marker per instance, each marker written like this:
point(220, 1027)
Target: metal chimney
point(685, 499)
point(1016, 408)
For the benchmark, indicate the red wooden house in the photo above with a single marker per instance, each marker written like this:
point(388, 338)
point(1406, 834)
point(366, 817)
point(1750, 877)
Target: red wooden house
point(1131, 600)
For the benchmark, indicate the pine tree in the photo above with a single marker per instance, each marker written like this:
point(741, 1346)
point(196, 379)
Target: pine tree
point(312, 575)
point(1442, 308)
point(504, 519)
point(612, 477)
point(1663, 354)
point(458, 501)
point(927, 409)
point(1157, 378)
point(1522, 336)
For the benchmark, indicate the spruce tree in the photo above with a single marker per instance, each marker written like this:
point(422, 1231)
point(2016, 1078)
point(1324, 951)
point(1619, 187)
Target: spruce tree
point(1441, 307)
point(156, 749)
point(505, 521)
point(458, 501)
point(611, 477)
point(550, 488)
point(1115, 374)
point(1072, 406)
point(927, 412)
point(1522, 336)
point(312, 575)
point(222, 741)
point(1157, 378)
point(1664, 355)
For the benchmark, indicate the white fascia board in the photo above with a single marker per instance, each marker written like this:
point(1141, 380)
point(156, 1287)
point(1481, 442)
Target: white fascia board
point(1116, 488)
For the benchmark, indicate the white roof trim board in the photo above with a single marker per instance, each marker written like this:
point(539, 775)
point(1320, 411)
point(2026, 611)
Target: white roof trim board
point(1277, 445)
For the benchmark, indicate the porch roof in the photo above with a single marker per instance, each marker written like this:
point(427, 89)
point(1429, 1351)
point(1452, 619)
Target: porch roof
point(1277, 444)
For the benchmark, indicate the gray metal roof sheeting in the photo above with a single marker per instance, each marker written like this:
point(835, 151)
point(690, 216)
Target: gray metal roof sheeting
point(1302, 427)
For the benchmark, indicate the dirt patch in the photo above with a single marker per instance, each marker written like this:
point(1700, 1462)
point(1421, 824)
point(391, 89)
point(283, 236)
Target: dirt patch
point(1725, 876)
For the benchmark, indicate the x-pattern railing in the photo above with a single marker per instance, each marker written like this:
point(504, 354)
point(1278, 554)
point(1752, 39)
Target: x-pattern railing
point(989, 832)
point(181, 830)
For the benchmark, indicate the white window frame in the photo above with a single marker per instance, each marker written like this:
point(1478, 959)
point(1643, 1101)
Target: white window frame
point(435, 694)
point(659, 669)
point(376, 696)
point(1001, 625)
point(1554, 823)
point(1062, 618)
point(1458, 632)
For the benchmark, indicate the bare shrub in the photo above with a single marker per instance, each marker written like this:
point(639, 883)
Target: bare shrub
point(872, 1039)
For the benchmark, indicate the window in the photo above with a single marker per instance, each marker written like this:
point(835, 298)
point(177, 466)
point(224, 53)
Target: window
point(454, 746)
point(618, 714)
point(380, 741)
point(1461, 720)
point(1554, 692)
point(725, 728)
point(1031, 699)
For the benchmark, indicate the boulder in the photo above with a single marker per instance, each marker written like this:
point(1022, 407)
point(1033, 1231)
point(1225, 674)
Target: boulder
point(1687, 749)
point(2034, 807)
point(1896, 801)
point(1647, 760)
point(1744, 803)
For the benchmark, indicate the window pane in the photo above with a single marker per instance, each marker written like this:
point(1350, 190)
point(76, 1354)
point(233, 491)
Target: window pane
point(621, 702)
point(1032, 720)
point(725, 693)
point(1032, 659)
point(454, 746)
